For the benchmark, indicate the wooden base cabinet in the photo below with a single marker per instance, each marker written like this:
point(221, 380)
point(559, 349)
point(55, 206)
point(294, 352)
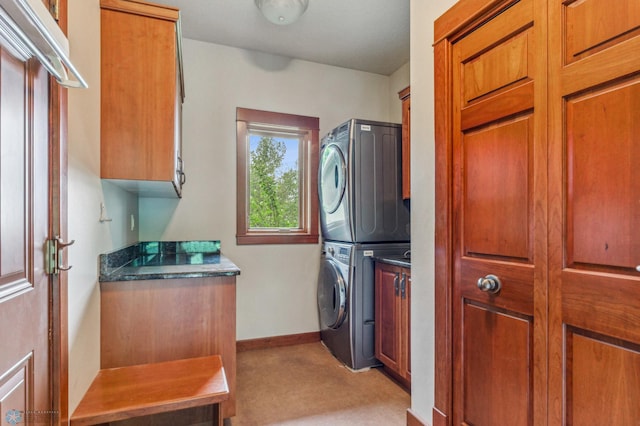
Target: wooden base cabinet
point(149, 321)
point(392, 319)
point(142, 92)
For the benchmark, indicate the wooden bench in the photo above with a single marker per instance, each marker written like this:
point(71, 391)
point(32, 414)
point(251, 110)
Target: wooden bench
point(140, 390)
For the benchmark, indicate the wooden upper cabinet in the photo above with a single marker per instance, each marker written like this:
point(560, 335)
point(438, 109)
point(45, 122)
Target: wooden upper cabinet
point(141, 97)
point(405, 97)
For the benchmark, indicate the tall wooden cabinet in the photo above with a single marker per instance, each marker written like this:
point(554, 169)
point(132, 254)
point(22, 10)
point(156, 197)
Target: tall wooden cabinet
point(141, 97)
point(392, 319)
point(537, 230)
point(405, 97)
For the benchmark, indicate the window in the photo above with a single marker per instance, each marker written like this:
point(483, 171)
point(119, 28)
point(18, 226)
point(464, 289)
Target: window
point(277, 155)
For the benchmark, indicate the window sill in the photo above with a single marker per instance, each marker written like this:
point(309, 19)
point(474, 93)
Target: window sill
point(271, 238)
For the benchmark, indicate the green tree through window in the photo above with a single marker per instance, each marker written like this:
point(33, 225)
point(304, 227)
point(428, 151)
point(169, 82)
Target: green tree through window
point(277, 178)
point(274, 189)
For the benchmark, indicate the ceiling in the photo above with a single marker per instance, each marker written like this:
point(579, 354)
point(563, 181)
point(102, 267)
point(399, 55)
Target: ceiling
point(365, 35)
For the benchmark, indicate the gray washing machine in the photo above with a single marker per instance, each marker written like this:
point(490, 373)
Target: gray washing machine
point(346, 299)
point(360, 183)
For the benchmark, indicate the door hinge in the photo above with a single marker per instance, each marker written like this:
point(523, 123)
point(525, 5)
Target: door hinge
point(54, 9)
point(53, 261)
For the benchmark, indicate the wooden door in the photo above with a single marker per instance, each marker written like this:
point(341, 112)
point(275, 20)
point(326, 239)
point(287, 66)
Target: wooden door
point(499, 169)
point(594, 98)
point(25, 395)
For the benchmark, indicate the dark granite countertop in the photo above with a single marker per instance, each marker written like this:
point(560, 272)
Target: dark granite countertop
point(402, 261)
point(155, 260)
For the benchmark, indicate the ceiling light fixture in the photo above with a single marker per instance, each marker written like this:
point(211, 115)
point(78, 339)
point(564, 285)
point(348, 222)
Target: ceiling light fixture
point(282, 12)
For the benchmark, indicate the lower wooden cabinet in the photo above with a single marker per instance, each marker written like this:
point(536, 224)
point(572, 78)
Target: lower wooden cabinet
point(393, 314)
point(148, 321)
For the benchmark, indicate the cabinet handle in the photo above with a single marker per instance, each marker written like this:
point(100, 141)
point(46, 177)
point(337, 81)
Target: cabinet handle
point(403, 286)
point(183, 176)
point(395, 283)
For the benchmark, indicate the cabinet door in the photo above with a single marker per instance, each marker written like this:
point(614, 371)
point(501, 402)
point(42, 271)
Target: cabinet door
point(594, 360)
point(405, 326)
point(387, 315)
point(141, 95)
point(405, 96)
point(499, 166)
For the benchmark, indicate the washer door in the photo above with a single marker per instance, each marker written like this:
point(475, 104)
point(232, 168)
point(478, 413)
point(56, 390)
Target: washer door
point(332, 295)
point(332, 179)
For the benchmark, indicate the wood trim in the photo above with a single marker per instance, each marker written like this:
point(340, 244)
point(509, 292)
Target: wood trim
point(413, 419)
point(277, 341)
point(309, 234)
point(404, 92)
point(58, 226)
point(462, 14)
point(439, 419)
point(540, 368)
point(443, 232)
point(143, 8)
point(58, 213)
point(273, 238)
point(279, 118)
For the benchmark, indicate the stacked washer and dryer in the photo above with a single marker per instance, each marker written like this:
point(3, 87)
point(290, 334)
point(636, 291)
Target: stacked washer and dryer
point(362, 216)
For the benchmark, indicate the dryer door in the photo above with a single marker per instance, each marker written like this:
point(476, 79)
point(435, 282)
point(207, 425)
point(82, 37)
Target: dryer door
point(332, 295)
point(332, 179)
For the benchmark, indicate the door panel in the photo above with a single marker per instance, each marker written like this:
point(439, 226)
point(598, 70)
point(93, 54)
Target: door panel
point(14, 263)
point(497, 54)
point(611, 367)
point(496, 193)
point(497, 358)
point(593, 25)
point(486, 73)
point(24, 213)
point(594, 358)
point(495, 179)
point(602, 158)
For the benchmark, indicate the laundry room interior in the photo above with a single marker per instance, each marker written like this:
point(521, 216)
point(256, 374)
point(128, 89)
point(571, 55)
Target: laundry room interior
point(265, 212)
point(239, 189)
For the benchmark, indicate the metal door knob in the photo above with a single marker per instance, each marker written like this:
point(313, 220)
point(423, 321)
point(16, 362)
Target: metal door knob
point(490, 284)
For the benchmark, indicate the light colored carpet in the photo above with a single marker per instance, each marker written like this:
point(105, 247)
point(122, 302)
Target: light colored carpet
point(305, 385)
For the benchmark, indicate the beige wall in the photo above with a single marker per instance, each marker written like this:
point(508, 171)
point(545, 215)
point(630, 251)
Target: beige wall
point(397, 82)
point(277, 287)
point(276, 291)
point(86, 192)
point(423, 15)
